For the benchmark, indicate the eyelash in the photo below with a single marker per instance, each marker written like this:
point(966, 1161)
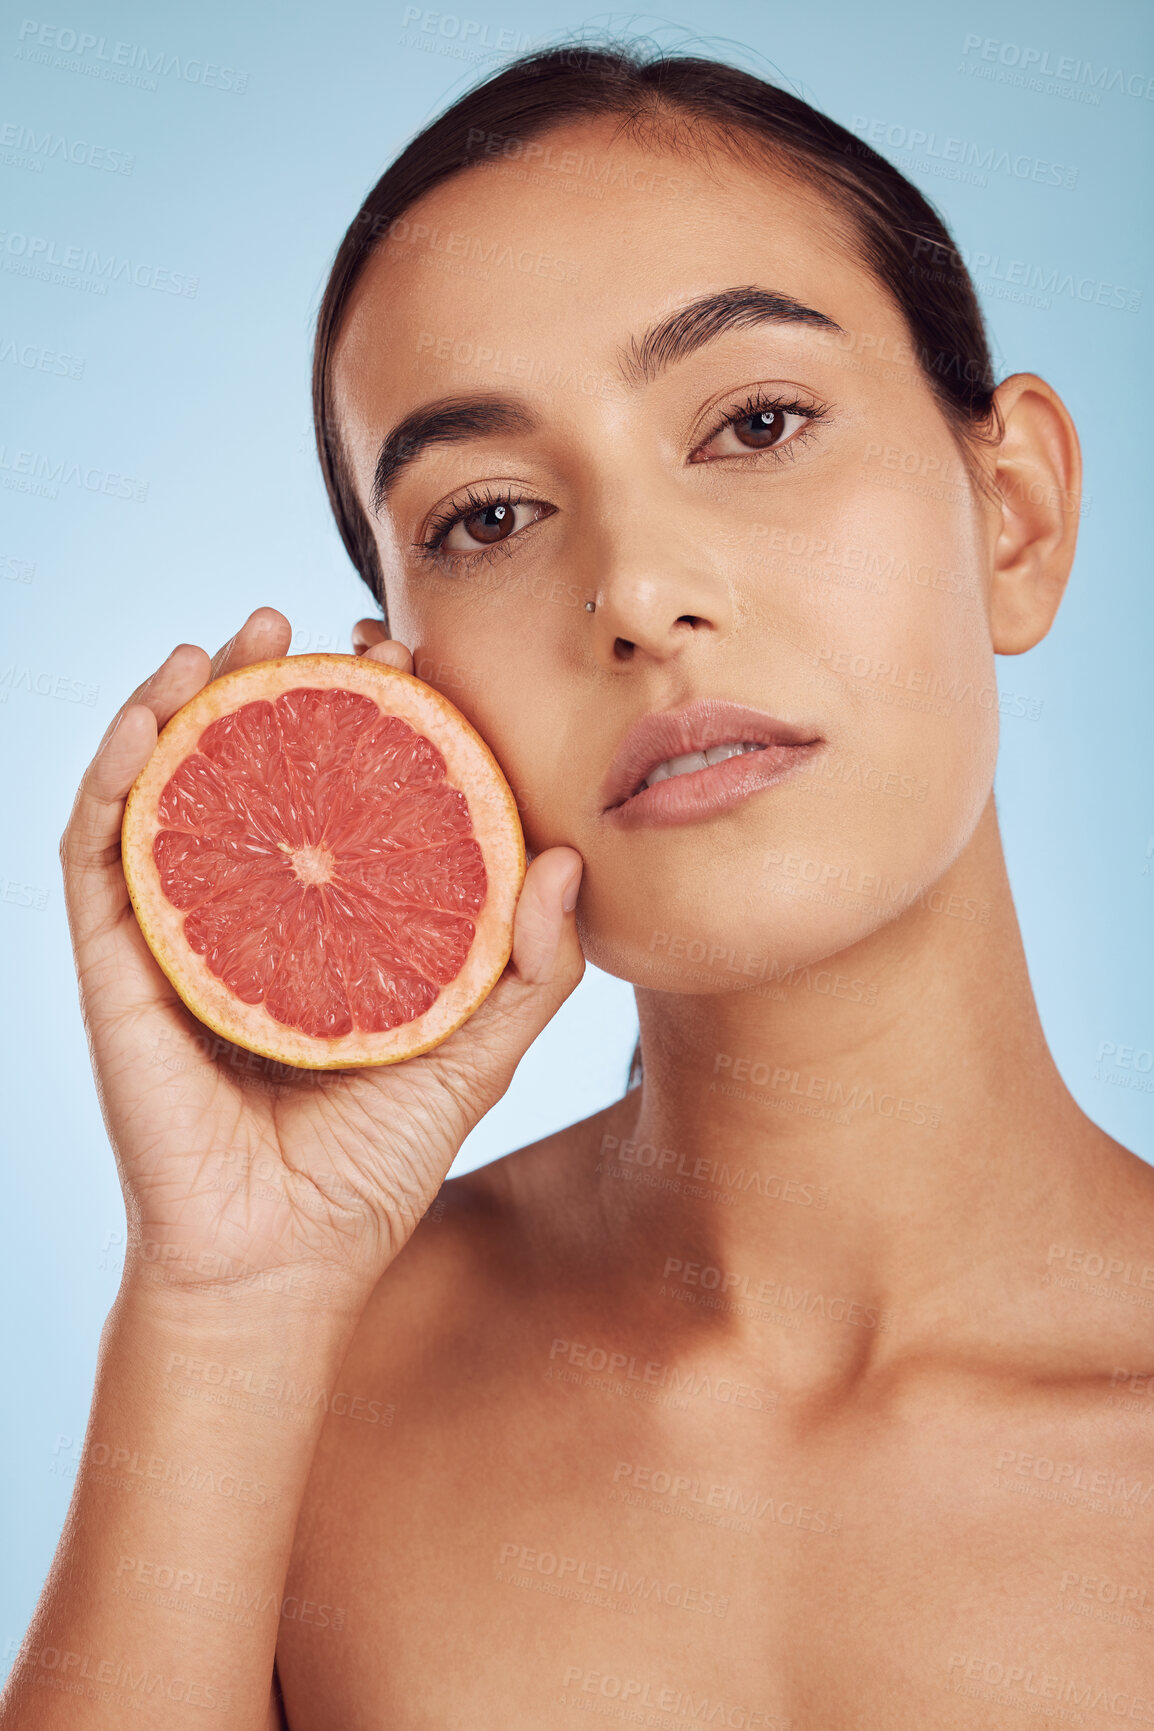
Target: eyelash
point(754, 405)
point(480, 500)
point(455, 513)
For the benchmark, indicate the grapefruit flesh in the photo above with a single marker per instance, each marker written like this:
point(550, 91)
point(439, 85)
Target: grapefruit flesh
point(324, 858)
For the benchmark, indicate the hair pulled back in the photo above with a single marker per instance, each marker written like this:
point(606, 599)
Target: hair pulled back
point(690, 105)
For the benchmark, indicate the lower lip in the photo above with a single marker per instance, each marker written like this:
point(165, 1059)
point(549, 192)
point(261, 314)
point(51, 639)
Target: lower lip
point(708, 792)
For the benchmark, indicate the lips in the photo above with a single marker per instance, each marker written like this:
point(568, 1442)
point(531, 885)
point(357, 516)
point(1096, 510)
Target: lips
point(697, 727)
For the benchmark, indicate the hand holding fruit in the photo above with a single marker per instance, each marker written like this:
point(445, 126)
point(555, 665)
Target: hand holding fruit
point(355, 1156)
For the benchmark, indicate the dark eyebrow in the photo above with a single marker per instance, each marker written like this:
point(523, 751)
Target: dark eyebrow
point(447, 422)
point(690, 327)
point(453, 420)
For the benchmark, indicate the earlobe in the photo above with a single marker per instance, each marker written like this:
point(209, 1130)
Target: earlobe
point(1038, 481)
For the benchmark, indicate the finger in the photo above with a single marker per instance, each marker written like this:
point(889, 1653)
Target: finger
point(392, 653)
point(371, 639)
point(94, 885)
point(90, 848)
point(477, 1062)
point(116, 968)
point(175, 682)
point(545, 914)
point(367, 632)
point(264, 636)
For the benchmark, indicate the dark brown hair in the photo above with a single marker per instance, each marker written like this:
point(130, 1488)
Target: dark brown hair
point(688, 105)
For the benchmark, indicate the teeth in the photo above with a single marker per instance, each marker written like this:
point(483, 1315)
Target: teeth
point(697, 760)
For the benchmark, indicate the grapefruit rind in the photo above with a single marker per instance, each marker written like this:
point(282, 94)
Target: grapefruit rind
point(470, 767)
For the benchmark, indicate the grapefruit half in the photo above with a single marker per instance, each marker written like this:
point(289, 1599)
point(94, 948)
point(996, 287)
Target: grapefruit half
point(325, 859)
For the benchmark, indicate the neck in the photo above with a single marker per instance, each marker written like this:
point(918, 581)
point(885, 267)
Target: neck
point(872, 1130)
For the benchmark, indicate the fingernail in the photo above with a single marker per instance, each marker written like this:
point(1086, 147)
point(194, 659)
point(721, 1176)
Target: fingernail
point(572, 889)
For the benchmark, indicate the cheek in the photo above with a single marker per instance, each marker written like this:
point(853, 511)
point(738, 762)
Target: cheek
point(861, 610)
point(872, 626)
point(497, 652)
point(885, 601)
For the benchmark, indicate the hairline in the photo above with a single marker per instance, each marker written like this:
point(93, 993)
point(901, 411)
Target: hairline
point(662, 124)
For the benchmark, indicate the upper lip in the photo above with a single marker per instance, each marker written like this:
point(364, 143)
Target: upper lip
point(694, 727)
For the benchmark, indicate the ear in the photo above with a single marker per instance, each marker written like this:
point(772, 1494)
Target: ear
point(1037, 475)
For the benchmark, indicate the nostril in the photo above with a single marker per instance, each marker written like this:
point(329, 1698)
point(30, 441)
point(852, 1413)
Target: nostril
point(690, 619)
point(623, 649)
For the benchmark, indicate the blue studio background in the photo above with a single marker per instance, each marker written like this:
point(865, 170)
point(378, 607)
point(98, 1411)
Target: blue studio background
point(222, 152)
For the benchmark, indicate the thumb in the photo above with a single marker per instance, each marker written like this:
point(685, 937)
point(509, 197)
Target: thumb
point(544, 968)
point(545, 946)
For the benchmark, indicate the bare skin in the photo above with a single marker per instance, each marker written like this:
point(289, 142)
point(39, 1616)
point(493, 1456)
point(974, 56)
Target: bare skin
point(805, 1381)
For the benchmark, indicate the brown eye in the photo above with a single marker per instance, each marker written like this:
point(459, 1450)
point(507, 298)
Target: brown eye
point(769, 428)
point(494, 523)
point(765, 427)
point(486, 525)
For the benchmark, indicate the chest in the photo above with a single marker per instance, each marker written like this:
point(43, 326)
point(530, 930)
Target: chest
point(520, 1554)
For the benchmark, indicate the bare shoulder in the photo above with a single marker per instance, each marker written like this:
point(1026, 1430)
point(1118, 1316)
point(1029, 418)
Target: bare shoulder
point(494, 1241)
point(1093, 1276)
point(1049, 1339)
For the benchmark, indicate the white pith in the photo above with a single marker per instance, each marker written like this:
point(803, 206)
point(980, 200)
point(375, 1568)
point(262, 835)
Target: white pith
point(312, 865)
point(694, 760)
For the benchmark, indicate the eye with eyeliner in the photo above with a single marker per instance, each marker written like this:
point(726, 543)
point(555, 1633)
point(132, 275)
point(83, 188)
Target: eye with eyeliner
point(757, 403)
point(476, 499)
point(482, 498)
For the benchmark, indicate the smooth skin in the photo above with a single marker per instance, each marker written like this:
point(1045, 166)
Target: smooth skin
point(812, 1413)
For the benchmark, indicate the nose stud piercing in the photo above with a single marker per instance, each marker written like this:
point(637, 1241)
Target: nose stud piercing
point(590, 606)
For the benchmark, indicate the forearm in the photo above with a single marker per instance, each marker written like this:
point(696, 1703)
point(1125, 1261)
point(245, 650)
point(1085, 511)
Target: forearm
point(166, 1590)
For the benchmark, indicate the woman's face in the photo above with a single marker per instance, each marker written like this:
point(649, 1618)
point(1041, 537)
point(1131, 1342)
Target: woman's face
point(776, 517)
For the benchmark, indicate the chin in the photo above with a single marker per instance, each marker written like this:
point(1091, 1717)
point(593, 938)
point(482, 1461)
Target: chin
point(751, 917)
point(694, 948)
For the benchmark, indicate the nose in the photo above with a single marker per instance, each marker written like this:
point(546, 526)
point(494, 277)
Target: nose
point(656, 583)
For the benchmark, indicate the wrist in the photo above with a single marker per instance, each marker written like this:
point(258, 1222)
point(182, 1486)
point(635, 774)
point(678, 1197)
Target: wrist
point(179, 1374)
point(277, 1304)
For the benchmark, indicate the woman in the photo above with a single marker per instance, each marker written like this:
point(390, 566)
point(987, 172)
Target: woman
point(656, 410)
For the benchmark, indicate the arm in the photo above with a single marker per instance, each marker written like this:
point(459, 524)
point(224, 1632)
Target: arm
point(175, 1488)
point(238, 1301)
point(276, 1720)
